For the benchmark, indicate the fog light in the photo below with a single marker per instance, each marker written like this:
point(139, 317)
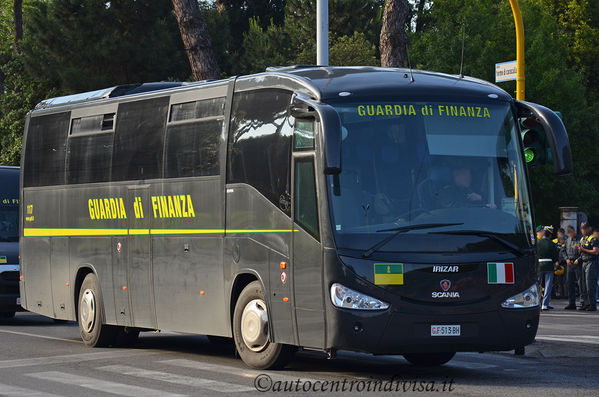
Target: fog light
point(347, 298)
point(524, 300)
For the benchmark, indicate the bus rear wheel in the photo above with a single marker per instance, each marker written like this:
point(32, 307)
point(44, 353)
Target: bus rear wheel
point(251, 331)
point(429, 359)
point(91, 314)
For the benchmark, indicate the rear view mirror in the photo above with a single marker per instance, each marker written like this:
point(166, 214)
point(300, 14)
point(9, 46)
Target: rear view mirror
point(545, 138)
point(304, 107)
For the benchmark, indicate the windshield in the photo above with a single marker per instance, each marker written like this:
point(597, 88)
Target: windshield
point(409, 163)
point(9, 220)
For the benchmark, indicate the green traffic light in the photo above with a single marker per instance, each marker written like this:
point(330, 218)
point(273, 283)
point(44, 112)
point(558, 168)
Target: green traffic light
point(529, 155)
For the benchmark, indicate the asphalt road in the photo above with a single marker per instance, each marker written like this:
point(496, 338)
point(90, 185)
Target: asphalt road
point(41, 358)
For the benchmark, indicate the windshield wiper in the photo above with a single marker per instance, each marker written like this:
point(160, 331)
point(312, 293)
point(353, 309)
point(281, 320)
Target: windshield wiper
point(402, 229)
point(490, 235)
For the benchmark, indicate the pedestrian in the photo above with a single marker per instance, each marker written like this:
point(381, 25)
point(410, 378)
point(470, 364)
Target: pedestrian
point(589, 252)
point(573, 267)
point(548, 262)
point(559, 278)
point(596, 234)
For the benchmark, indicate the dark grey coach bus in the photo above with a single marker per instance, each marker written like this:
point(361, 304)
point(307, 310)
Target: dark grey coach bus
point(324, 208)
point(10, 301)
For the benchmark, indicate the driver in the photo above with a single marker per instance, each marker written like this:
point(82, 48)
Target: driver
point(459, 193)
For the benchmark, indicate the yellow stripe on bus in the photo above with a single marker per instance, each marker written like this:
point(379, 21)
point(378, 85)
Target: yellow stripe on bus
point(73, 232)
point(54, 232)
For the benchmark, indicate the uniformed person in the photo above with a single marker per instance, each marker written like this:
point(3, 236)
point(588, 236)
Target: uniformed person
point(559, 278)
point(589, 252)
point(573, 267)
point(548, 262)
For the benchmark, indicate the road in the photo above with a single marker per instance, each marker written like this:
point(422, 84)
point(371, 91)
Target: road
point(41, 358)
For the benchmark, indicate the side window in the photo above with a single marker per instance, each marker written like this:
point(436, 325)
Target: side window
point(139, 139)
point(89, 158)
point(45, 150)
point(306, 208)
point(260, 143)
point(193, 138)
point(193, 149)
point(304, 135)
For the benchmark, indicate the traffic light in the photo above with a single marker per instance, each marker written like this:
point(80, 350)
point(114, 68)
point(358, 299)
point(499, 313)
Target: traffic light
point(536, 148)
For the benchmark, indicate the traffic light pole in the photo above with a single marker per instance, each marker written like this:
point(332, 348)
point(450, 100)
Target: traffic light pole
point(520, 75)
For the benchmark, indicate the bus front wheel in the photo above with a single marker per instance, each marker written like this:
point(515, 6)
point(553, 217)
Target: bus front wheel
point(91, 314)
point(428, 359)
point(251, 331)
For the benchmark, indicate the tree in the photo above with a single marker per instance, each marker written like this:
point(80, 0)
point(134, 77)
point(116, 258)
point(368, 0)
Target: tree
point(394, 40)
point(18, 18)
point(83, 45)
point(196, 38)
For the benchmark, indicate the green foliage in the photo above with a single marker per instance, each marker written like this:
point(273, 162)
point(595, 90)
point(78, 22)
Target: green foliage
point(263, 48)
point(82, 45)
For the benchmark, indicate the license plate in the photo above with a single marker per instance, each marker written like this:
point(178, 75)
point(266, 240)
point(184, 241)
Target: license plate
point(18, 301)
point(445, 330)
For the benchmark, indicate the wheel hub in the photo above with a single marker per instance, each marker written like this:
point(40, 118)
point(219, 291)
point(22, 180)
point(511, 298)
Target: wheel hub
point(87, 310)
point(254, 325)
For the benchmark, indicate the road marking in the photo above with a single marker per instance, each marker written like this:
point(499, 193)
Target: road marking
point(101, 385)
point(40, 336)
point(71, 358)
point(209, 384)
point(579, 315)
point(247, 373)
point(589, 340)
point(9, 391)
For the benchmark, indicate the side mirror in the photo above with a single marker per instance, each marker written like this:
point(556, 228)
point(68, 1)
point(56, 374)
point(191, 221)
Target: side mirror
point(304, 107)
point(545, 137)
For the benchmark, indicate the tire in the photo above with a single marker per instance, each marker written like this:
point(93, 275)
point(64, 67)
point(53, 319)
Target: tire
point(252, 343)
point(90, 315)
point(125, 336)
point(429, 359)
point(7, 314)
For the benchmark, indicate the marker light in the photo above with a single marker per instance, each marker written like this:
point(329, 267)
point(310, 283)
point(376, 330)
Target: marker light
point(347, 298)
point(524, 300)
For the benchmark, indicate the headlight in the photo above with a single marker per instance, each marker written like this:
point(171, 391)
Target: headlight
point(347, 298)
point(525, 299)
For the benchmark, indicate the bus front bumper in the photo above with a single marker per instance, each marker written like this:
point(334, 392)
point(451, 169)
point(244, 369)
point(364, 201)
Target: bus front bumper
point(398, 333)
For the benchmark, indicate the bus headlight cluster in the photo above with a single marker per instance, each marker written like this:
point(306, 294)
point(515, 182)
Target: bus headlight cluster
point(525, 299)
point(347, 298)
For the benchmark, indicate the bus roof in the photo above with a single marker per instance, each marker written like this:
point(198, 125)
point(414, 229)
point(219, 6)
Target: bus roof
point(322, 83)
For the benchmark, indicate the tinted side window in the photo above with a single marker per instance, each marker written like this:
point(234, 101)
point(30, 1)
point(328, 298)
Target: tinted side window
point(260, 143)
point(192, 149)
point(139, 137)
point(89, 158)
point(45, 150)
point(306, 207)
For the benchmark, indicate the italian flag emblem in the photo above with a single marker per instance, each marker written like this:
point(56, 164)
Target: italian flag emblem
point(500, 273)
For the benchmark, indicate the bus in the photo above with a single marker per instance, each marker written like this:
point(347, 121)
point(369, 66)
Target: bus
point(10, 301)
point(376, 210)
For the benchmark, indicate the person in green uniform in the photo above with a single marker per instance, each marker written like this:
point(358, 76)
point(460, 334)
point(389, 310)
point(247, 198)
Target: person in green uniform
point(548, 261)
point(589, 253)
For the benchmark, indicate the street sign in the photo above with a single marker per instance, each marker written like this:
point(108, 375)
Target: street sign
point(505, 71)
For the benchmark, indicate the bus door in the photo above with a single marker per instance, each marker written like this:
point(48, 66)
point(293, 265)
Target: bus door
point(139, 267)
point(306, 246)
